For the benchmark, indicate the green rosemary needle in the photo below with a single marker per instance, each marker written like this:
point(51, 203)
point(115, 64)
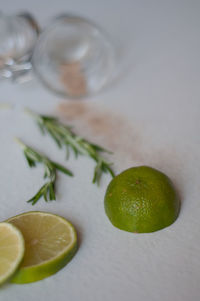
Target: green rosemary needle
point(65, 137)
point(47, 191)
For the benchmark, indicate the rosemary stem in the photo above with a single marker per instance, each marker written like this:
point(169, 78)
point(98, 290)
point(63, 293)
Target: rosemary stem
point(23, 146)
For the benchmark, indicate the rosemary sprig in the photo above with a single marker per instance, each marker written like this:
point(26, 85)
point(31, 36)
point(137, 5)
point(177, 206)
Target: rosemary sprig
point(65, 137)
point(50, 167)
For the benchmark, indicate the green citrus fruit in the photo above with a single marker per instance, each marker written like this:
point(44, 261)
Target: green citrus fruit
point(11, 250)
point(50, 243)
point(141, 199)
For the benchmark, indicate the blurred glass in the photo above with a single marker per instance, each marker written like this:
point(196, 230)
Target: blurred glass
point(18, 35)
point(74, 57)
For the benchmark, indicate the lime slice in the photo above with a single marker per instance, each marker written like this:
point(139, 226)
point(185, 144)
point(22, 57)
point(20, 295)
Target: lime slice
point(11, 250)
point(50, 243)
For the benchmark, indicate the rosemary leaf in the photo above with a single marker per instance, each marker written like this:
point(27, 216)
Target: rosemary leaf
point(62, 168)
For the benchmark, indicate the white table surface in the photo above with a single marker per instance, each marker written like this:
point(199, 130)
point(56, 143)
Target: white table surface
point(160, 95)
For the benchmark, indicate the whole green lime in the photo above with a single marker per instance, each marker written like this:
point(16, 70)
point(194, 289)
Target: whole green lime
point(141, 199)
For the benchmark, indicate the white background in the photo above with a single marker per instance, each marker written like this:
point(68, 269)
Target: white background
point(159, 92)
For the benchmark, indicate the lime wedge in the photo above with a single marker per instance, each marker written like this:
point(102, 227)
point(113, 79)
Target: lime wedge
point(50, 243)
point(11, 250)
